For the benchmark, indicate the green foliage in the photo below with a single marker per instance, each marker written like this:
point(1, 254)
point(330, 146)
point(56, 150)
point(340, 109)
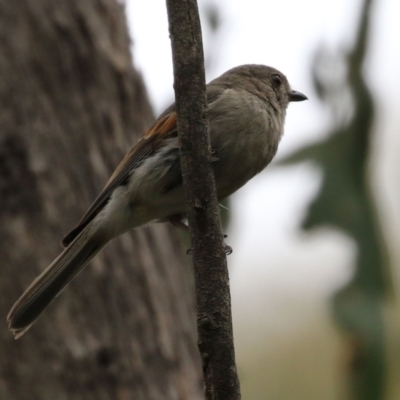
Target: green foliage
point(345, 202)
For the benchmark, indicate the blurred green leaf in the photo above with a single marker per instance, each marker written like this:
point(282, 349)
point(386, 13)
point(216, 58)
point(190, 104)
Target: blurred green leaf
point(345, 201)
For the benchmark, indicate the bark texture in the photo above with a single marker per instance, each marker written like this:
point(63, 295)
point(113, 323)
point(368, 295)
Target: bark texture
point(71, 105)
point(212, 280)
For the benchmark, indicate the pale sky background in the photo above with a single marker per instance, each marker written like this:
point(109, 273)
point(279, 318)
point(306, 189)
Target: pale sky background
point(276, 268)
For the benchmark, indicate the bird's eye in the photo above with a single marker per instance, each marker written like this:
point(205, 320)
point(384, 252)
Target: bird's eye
point(276, 79)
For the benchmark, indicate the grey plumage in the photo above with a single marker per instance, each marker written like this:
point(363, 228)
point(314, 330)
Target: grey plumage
point(247, 109)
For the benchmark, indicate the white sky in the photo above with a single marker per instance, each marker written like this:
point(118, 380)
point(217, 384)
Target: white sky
point(272, 258)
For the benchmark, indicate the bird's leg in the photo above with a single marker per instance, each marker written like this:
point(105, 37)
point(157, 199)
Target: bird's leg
point(227, 249)
point(176, 220)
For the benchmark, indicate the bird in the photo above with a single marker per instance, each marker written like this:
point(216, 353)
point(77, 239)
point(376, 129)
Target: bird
point(246, 110)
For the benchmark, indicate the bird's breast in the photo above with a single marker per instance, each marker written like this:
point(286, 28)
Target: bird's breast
point(245, 137)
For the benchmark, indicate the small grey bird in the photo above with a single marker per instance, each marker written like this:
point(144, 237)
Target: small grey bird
point(246, 108)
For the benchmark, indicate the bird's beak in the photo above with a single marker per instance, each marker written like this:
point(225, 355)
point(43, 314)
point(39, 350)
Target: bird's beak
point(297, 96)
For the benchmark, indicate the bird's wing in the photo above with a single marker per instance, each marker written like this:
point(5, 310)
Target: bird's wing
point(163, 128)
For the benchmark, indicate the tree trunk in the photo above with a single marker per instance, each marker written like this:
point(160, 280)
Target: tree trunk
point(71, 105)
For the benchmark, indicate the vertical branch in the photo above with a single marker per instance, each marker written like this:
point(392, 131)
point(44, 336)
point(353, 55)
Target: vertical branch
point(211, 273)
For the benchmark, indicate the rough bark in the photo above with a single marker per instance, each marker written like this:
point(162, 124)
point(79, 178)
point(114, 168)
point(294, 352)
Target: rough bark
point(209, 259)
point(71, 105)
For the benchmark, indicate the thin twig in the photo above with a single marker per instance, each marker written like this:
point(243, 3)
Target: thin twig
point(209, 259)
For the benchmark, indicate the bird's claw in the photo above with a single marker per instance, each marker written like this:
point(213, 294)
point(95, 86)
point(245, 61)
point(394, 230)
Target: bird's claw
point(228, 249)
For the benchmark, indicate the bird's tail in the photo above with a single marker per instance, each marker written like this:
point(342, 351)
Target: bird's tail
point(53, 280)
